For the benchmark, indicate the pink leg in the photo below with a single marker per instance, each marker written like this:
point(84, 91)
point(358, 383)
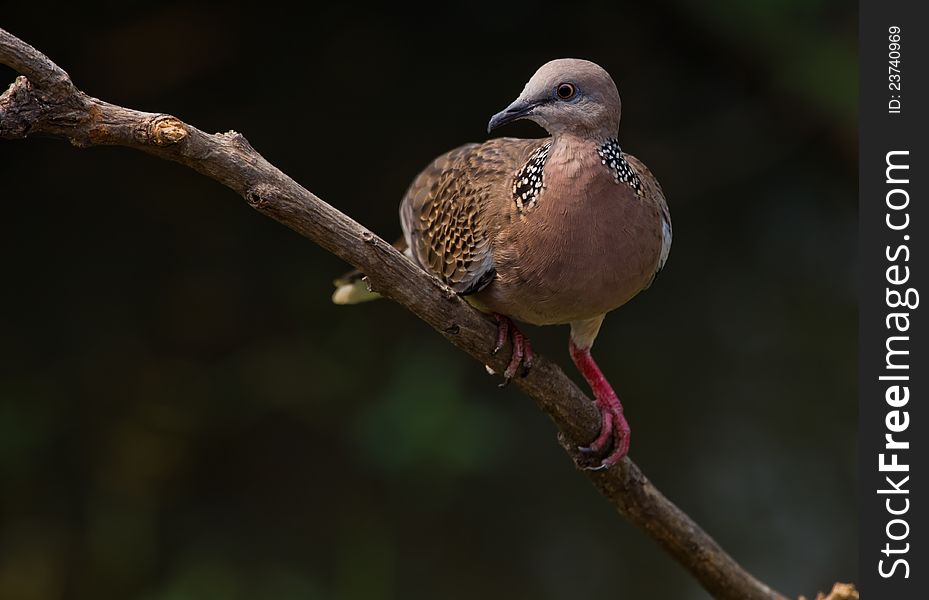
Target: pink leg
point(522, 349)
point(613, 423)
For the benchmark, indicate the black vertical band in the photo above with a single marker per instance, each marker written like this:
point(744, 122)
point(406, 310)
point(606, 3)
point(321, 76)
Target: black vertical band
point(894, 367)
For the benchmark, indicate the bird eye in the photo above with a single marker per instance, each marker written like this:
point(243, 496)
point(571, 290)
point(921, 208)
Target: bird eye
point(565, 91)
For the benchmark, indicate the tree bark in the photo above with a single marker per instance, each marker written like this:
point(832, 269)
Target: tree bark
point(44, 100)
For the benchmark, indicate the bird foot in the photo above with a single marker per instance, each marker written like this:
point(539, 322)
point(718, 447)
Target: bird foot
point(614, 429)
point(522, 355)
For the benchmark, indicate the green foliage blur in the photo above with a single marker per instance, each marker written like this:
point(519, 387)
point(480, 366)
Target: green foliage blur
point(184, 415)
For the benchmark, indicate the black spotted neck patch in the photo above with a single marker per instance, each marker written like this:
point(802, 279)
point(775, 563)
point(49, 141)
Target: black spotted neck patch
point(528, 181)
point(611, 155)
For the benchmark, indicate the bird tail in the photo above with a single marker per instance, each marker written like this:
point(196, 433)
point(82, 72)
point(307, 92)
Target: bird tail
point(352, 288)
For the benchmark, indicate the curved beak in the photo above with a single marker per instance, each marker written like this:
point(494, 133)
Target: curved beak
point(520, 109)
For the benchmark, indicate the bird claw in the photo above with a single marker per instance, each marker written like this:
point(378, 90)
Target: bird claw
point(528, 357)
point(522, 357)
point(613, 428)
point(503, 330)
point(601, 467)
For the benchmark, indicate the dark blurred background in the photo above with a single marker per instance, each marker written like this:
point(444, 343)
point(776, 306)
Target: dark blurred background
point(184, 415)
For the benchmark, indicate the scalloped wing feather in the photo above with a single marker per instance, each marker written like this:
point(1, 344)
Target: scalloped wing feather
point(455, 207)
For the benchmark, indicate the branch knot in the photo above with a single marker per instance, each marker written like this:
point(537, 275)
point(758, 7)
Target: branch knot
point(19, 109)
point(165, 130)
point(259, 195)
point(238, 140)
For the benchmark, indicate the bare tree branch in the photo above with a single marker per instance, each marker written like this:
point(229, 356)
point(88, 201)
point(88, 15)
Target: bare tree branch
point(45, 100)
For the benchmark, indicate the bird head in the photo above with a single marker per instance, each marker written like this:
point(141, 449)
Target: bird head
point(567, 95)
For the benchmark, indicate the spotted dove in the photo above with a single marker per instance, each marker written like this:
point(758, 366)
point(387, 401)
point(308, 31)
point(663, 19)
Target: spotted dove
point(559, 230)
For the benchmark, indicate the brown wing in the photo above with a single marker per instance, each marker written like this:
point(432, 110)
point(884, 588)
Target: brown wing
point(454, 208)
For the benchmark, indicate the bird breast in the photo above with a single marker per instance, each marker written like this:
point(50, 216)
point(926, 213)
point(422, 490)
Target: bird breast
point(589, 243)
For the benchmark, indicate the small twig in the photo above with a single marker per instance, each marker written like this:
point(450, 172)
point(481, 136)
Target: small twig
point(45, 100)
point(840, 591)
